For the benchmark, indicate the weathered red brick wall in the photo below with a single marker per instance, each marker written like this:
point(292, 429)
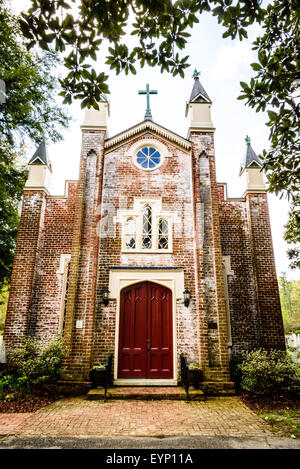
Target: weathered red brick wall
point(45, 233)
point(46, 307)
point(213, 327)
point(208, 227)
point(241, 286)
point(270, 317)
point(84, 258)
point(23, 278)
point(253, 290)
point(172, 182)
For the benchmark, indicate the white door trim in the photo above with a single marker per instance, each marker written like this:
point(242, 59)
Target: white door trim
point(145, 382)
point(172, 279)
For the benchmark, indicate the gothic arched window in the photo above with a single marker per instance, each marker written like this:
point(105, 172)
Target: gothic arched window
point(66, 291)
point(147, 228)
point(163, 234)
point(130, 233)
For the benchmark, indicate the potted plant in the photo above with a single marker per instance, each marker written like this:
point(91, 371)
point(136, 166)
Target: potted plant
point(194, 375)
point(97, 376)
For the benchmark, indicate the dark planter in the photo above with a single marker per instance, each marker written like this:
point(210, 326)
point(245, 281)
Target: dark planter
point(194, 377)
point(98, 378)
point(2, 368)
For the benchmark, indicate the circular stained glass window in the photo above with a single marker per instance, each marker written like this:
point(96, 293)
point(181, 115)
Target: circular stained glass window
point(148, 158)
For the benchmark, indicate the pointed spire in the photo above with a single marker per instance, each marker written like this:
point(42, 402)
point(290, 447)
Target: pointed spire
point(198, 93)
point(251, 159)
point(41, 155)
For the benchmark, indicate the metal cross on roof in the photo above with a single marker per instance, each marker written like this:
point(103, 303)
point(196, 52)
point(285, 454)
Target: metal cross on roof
point(147, 92)
point(248, 140)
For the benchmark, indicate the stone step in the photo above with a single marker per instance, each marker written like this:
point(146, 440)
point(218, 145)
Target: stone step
point(146, 393)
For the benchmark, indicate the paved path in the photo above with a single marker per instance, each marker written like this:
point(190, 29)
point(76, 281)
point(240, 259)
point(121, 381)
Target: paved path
point(78, 417)
point(11, 423)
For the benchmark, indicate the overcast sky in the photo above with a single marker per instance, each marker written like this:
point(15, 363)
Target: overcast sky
point(223, 63)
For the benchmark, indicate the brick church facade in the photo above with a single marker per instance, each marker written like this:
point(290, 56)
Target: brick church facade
point(145, 256)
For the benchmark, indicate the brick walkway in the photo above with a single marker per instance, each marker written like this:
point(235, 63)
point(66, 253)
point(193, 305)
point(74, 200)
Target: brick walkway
point(80, 417)
point(11, 423)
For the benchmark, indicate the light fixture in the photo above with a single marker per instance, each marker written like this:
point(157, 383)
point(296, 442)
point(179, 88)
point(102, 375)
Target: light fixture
point(105, 293)
point(187, 297)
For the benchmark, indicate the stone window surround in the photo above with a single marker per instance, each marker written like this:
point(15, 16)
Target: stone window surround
point(148, 142)
point(150, 156)
point(123, 215)
point(227, 270)
point(63, 270)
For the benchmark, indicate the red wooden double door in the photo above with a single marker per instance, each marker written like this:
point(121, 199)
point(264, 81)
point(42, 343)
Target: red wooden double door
point(145, 332)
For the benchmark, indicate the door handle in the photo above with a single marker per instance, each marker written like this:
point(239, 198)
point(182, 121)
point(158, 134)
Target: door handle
point(148, 345)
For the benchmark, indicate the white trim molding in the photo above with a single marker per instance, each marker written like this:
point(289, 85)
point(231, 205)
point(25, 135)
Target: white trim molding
point(64, 259)
point(64, 271)
point(145, 126)
point(227, 271)
point(120, 278)
point(148, 142)
point(227, 265)
point(136, 214)
point(145, 382)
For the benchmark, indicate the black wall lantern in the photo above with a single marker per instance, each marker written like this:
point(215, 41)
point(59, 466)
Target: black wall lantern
point(105, 293)
point(187, 297)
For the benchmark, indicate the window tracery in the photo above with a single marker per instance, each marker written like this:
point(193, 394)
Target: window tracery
point(163, 234)
point(146, 227)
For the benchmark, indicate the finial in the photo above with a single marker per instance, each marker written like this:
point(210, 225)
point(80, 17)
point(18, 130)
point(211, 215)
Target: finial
point(196, 74)
point(247, 139)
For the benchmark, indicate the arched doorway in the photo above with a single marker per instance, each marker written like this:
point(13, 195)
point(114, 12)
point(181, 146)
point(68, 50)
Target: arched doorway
point(145, 332)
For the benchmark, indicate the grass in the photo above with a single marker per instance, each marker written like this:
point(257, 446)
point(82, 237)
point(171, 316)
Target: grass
point(283, 422)
point(282, 413)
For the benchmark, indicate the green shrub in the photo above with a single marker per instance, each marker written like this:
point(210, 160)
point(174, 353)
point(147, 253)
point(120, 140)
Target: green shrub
point(13, 384)
point(266, 372)
point(33, 366)
point(192, 367)
point(15, 359)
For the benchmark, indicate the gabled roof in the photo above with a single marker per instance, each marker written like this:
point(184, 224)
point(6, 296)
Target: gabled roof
point(41, 155)
point(198, 94)
point(143, 127)
point(251, 159)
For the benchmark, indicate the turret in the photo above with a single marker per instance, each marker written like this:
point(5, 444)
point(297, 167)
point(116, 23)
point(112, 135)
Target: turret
point(198, 107)
point(96, 119)
point(251, 171)
point(39, 169)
